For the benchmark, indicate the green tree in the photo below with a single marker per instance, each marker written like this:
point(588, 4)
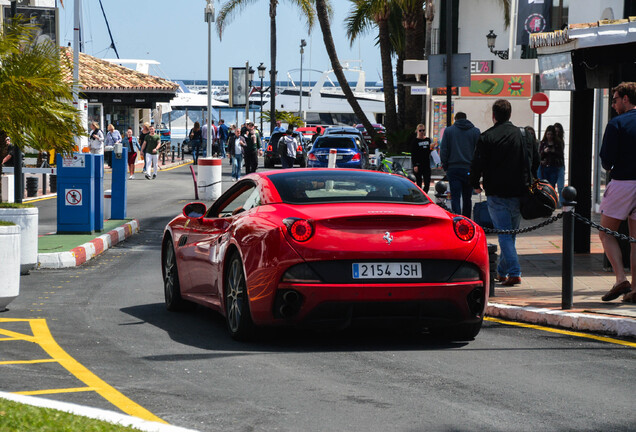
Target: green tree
point(323, 13)
point(286, 117)
point(233, 7)
point(367, 13)
point(36, 108)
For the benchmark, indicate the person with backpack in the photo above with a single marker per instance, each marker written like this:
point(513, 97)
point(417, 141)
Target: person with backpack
point(287, 146)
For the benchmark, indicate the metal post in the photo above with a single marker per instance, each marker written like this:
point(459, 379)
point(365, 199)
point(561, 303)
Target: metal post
point(209, 18)
point(43, 184)
point(303, 44)
point(247, 91)
point(261, 92)
point(567, 284)
point(449, 60)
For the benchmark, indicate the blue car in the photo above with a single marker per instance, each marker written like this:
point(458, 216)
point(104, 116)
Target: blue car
point(352, 152)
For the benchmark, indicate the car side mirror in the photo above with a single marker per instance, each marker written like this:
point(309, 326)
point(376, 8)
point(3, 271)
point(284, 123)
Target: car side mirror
point(194, 210)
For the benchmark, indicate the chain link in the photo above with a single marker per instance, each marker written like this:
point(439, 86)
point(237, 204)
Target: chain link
point(618, 235)
point(526, 229)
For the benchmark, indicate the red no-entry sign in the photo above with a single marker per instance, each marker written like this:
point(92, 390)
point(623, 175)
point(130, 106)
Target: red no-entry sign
point(539, 103)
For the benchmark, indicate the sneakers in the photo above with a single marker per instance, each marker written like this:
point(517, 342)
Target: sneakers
point(618, 289)
point(132, 177)
point(500, 278)
point(148, 176)
point(154, 176)
point(511, 280)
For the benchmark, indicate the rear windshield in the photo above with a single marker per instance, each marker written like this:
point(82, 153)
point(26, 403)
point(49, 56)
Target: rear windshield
point(333, 142)
point(329, 186)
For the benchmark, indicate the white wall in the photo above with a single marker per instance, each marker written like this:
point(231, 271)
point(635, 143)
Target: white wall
point(582, 11)
point(476, 19)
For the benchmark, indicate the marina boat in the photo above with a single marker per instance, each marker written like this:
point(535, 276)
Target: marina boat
point(326, 104)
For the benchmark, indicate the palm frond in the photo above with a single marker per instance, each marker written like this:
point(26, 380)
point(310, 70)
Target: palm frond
point(228, 12)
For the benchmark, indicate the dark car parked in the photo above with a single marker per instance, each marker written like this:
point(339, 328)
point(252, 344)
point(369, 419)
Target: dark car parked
point(379, 130)
point(271, 156)
point(344, 130)
point(352, 152)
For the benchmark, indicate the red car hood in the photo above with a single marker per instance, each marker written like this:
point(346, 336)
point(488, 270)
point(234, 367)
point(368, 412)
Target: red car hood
point(348, 231)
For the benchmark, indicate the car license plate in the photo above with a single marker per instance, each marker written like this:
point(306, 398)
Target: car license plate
point(394, 270)
point(339, 157)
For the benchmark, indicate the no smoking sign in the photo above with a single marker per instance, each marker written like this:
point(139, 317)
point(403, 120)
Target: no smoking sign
point(73, 197)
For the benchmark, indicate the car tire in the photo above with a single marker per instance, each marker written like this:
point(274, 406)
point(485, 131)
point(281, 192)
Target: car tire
point(171, 286)
point(302, 163)
point(268, 163)
point(237, 309)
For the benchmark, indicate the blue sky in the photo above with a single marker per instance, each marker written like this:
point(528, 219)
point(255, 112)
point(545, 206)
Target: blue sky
point(174, 33)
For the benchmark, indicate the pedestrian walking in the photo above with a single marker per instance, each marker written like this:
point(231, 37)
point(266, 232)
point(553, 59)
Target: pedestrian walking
point(150, 147)
point(133, 147)
point(145, 130)
point(316, 135)
point(252, 142)
point(96, 139)
point(214, 138)
point(421, 147)
point(552, 155)
point(236, 147)
point(223, 136)
point(532, 136)
point(456, 153)
point(501, 160)
point(288, 148)
point(113, 136)
point(618, 157)
point(195, 141)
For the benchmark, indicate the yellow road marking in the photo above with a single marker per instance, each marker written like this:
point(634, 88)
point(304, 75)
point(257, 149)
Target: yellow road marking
point(14, 362)
point(55, 391)
point(43, 337)
point(40, 199)
point(178, 166)
point(564, 332)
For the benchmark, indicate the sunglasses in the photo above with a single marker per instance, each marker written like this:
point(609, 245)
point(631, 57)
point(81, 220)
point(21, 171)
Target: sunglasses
point(421, 130)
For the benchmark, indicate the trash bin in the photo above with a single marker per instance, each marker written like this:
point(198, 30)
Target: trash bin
point(32, 186)
point(76, 193)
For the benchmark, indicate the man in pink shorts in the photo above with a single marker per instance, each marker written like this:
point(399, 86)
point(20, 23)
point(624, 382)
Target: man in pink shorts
point(618, 156)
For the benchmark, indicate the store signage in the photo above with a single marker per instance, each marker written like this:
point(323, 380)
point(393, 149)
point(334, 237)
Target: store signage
point(499, 86)
point(481, 66)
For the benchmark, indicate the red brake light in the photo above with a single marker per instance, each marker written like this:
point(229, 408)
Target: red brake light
point(299, 149)
point(312, 157)
point(356, 157)
point(464, 229)
point(301, 230)
point(269, 148)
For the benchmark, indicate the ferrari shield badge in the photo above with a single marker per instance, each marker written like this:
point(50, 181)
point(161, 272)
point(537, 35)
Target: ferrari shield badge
point(388, 237)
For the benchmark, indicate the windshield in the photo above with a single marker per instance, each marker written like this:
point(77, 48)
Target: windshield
point(327, 142)
point(333, 186)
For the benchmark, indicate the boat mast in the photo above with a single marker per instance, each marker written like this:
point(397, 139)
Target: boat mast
point(112, 42)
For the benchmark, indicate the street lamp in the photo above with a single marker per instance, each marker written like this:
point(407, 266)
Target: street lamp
point(490, 39)
point(261, 74)
point(303, 44)
point(249, 76)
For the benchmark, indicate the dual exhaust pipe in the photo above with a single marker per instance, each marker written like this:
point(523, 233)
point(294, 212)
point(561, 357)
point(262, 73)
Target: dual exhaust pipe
point(288, 303)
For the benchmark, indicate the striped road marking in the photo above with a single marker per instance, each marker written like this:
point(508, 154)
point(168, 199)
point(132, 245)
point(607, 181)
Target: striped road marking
point(43, 337)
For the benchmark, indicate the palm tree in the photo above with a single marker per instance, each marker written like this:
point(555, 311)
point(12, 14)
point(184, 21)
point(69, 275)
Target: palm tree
point(35, 97)
point(233, 7)
point(377, 12)
point(323, 13)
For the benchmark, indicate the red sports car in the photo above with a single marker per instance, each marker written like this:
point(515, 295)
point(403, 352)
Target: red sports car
point(328, 247)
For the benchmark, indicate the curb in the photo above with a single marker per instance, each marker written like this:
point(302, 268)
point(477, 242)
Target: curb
point(596, 323)
point(94, 413)
point(79, 255)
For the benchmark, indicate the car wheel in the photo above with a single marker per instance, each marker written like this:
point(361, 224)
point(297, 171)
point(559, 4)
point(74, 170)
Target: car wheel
point(171, 287)
point(302, 163)
point(237, 309)
point(268, 163)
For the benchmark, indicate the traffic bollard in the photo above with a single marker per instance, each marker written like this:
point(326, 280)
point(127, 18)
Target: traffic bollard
point(163, 157)
point(567, 276)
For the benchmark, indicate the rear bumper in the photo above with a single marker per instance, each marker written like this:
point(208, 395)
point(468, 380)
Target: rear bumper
point(420, 305)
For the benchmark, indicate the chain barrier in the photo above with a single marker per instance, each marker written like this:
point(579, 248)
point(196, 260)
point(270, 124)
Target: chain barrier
point(618, 235)
point(526, 229)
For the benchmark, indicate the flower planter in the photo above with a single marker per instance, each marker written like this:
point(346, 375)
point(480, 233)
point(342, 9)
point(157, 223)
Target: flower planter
point(27, 219)
point(9, 264)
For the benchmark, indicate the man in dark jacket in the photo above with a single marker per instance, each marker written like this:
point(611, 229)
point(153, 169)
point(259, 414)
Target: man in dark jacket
point(500, 158)
point(456, 153)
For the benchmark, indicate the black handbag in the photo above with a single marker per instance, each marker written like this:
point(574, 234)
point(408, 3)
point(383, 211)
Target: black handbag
point(540, 199)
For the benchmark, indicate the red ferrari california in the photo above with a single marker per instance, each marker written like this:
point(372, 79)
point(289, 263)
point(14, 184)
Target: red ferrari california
point(328, 248)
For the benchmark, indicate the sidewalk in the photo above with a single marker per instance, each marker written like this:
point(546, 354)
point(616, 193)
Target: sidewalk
point(537, 299)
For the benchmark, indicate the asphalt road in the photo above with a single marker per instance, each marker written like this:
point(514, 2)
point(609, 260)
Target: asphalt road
point(183, 367)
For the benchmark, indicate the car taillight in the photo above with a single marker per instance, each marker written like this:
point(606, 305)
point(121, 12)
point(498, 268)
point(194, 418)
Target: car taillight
point(269, 148)
point(356, 158)
point(299, 229)
point(299, 149)
point(464, 229)
point(312, 157)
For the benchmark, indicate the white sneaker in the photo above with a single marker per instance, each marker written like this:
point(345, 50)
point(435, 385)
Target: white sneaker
point(132, 177)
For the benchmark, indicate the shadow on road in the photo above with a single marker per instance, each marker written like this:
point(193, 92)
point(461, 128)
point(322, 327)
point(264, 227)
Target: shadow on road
point(205, 329)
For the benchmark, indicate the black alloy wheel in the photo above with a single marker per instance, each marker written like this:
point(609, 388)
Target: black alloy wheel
point(171, 288)
point(237, 310)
